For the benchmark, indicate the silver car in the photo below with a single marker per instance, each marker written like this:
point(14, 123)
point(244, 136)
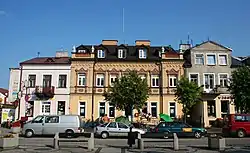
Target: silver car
point(115, 129)
point(52, 124)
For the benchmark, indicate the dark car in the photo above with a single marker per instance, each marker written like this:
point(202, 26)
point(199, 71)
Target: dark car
point(166, 129)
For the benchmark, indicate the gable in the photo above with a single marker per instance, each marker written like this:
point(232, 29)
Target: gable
point(210, 45)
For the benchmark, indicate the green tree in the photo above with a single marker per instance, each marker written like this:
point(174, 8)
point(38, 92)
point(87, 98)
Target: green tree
point(129, 92)
point(188, 94)
point(240, 88)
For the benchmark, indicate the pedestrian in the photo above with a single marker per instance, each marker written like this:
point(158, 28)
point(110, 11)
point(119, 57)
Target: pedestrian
point(131, 137)
point(105, 118)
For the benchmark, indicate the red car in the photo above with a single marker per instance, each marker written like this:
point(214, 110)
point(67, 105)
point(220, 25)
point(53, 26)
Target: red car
point(237, 124)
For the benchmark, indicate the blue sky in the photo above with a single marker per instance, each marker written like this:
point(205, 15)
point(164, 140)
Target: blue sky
point(28, 27)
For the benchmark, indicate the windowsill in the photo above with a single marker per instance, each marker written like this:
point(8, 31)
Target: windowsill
point(81, 86)
point(154, 86)
point(61, 87)
point(99, 86)
point(172, 86)
point(222, 64)
point(198, 64)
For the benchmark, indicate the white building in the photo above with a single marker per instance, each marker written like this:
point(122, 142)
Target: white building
point(3, 96)
point(45, 86)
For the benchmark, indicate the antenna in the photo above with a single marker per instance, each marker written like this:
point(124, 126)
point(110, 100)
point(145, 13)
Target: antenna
point(188, 39)
point(38, 54)
point(208, 38)
point(191, 42)
point(123, 21)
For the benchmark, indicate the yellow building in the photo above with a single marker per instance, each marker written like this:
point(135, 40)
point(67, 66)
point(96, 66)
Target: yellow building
point(95, 67)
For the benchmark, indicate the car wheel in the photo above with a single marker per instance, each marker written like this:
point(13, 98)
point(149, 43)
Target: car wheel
point(69, 133)
point(166, 134)
point(29, 133)
point(241, 133)
point(104, 135)
point(197, 134)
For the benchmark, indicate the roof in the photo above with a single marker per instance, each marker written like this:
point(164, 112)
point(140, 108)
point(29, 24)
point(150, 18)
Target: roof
point(47, 60)
point(132, 54)
point(236, 62)
point(215, 43)
point(3, 91)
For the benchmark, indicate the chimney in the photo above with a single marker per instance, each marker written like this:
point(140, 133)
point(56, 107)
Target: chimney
point(110, 42)
point(62, 54)
point(184, 47)
point(142, 42)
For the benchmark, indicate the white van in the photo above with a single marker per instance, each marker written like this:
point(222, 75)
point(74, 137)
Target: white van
point(51, 124)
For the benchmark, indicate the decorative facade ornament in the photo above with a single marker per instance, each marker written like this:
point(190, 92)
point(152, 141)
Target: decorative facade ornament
point(81, 70)
point(172, 71)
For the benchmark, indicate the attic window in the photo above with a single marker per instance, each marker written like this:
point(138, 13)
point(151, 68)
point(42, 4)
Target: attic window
point(100, 54)
point(142, 53)
point(81, 51)
point(122, 53)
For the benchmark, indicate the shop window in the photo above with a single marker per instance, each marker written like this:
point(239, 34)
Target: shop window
point(211, 109)
point(224, 107)
point(61, 108)
point(29, 108)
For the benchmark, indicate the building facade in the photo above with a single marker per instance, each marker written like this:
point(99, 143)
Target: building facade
point(44, 86)
point(95, 67)
point(3, 96)
point(209, 65)
point(14, 84)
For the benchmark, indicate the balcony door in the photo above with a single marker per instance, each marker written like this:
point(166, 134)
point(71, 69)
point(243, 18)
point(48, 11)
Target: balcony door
point(47, 80)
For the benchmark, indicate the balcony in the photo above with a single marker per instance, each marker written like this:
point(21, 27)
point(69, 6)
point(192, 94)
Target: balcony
point(44, 92)
point(217, 90)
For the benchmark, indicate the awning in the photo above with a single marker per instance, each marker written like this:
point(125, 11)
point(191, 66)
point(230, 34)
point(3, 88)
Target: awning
point(166, 118)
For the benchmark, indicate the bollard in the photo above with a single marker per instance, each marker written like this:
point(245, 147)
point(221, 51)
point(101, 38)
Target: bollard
point(91, 142)
point(56, 141)
point(140, 142)
point(176, 142)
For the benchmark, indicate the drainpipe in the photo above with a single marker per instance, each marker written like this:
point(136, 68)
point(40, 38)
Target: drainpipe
point(20, 91)
point(161, 87)
point(93, 89)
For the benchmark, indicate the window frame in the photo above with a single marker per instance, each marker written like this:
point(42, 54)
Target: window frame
point(78, 77)
point(142, 53)
point(198, 77)
point(195, 55)
point(169, 108)
point(61, 101)
point(50, 81)
point(122, 53)
point(110, 106)
point(43, 110)
point(29, 84)
point(111, 76)
point(96, 83)
point(65, 84)
point(215, 59)
point(204, 80)
point(171, 79)
point(80, 106)
point(220, 78)
point(99, 106)
point(100, 53)
point(223, 54)
point(156, 106)
point(154, 77)
point(32, 108)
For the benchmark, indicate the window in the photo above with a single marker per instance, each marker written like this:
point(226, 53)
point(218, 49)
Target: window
point(61, 108)
point(47, 80)
point(223, 59)
point(101, 109)
point(154, 109)
point(82, 107)
point(142, 53)
point(209, 81)
point(100, 54)
point(122, 126)
point(172, 109)
point(81, 51)
point(111, 110)
point(199, 59)
point(62, 81)
point(223, 80)
point(82, 79)
point(211, 108)
point(145, 109)
point(45, 108)
point(224, 107)
point(52, 119)
point(194, 78)
point(100, 80)
point(112, 125)
point(241, 118)
point(155, 80)
point(122, 53)
point(211, 60)
point(172, 80)
point(38, 119)
point(32, 81)
point(113, 78)
point(29, 108)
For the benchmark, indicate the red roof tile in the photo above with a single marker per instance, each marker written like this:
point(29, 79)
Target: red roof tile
point(3, 91)
point(47, 60)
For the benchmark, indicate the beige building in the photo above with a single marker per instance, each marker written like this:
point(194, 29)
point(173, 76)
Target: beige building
point(95, 67)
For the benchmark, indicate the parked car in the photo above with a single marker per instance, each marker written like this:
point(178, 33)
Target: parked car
point(166, 129)
point(237, 124)
point(115, 129)
point(70, 125)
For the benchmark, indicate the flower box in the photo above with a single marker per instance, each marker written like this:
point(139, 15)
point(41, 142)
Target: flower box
point(7, 143)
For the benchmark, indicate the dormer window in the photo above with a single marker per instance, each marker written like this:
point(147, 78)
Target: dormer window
point(122, 53)
point(142, 53)
point(100, 54)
